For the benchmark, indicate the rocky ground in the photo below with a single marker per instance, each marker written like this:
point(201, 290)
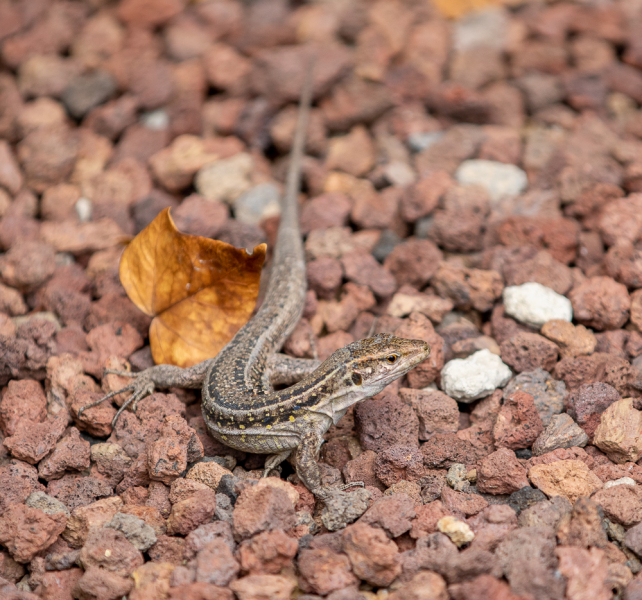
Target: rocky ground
point(475, 183)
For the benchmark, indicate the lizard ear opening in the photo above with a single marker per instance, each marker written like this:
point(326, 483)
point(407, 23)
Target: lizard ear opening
point(356, 379)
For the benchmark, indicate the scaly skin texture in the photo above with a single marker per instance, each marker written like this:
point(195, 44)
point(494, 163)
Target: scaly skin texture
point(240, 406)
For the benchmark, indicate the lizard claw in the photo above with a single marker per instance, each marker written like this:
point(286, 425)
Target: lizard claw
point(142, 387)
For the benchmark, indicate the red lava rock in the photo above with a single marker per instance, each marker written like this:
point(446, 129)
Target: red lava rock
point(324, 276)
point(529, 351)
point(397, 463)
point(22, 400)
point(421, 198)
point(384, 421)
point(176, 446)
point(437, 412)
point(33, 441)
point(462, 503)
point(468, 288)
point(528, 560)
point(100, 583)
point(417, 326)
point(26, 531)
point(216, 564)
point(413, 262)
point(167, 549)
point(328, 210)
point(110, 550)
point(518, 423)
point(27, 265)
point(362, 468)
point(501, 473)
point(324, 571)
point(443, 450)
point(428, 515)
point(582, 526)
point(483, 586)
point(362, 268)
point(374, 557)
point(75, 490)
point(203, 535)
point(601, 303)
point(262, 509)
point(621, 504)
point(586, 571)
point(71, 452)
point(200, 591)
point(392, 513)
point(188, 514)
point(267, 552)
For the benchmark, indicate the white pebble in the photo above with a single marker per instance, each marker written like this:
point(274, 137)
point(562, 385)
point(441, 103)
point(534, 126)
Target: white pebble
point(499, 179)
point(620, 481)
point(479, 375)
point(535, 304)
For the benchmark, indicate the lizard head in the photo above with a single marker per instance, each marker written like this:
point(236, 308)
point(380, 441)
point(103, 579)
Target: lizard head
point(375, 362)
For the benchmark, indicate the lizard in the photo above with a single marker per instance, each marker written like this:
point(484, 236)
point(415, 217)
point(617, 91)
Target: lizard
point(240, 406)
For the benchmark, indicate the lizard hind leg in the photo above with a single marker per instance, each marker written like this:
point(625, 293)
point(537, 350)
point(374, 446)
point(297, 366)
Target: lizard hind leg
point(274, 460)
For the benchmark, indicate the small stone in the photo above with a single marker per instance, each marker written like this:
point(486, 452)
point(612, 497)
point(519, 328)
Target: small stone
point(458, 531)
point(545, 512)
point(474, 377)
point(263, 508)
point(586, 572)
point(561, 432)
point(208, 472)
point(461, 503)
point(621, 504)
point(87, 518)
point(501, 473)
point(374, 557)
point(22, 400)
point(529, 351)
point(141, 535)
point(499, 179)
point(588, 403)
point(468, 288)
point(518, 422)
point(100, 584)
point(25, 531)
point(601, 303)
point(325, 571)
point(258, 203)
point(437, 412)
point(71, 452)
point(525, 498)
point(188, 514)
point(47, 504)
point(353, 153)
point(225, 179)
point(267, 552)
point(263, 587)
point(573, 340)
point(216, 564)
point(87, 91)
point(619, 434)
point(534, 304)
point(385, 421)
point(343, 508)
point(393, 513)
point(569, 478)
point(548, 393)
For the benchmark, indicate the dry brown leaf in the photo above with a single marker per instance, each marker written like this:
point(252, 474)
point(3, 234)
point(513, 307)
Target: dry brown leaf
point(199, 291)
point(454, 9)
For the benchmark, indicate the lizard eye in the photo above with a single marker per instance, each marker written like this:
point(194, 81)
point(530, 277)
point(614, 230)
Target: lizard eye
point(392, 358)
point(356, 379)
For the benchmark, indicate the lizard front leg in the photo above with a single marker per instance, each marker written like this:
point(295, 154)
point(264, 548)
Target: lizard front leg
point(306, 465)
point(158, 377)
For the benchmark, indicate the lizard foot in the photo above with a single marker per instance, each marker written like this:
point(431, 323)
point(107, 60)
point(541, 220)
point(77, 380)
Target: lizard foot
point(143, 386)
